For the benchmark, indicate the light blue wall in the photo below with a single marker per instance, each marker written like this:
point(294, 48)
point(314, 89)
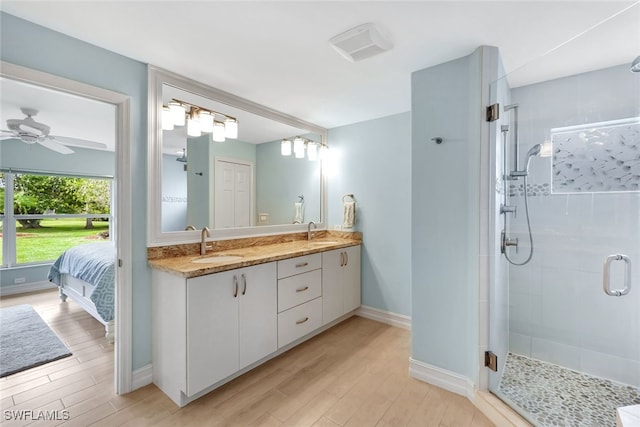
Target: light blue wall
point(446, 102)
point(39, 48)
point(372, 160)
point(280, 180)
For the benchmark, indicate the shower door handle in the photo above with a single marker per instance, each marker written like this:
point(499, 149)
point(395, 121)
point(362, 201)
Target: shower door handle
point(606, 276)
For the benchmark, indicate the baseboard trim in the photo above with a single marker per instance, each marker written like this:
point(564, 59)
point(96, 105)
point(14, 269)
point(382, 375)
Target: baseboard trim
point(141, 377)
point(25, 288)
point(388, 317)
point(442, 378)
point(497, 411)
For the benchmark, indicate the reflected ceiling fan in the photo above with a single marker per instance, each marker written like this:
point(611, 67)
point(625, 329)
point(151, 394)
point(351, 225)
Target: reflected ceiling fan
point(30, 132)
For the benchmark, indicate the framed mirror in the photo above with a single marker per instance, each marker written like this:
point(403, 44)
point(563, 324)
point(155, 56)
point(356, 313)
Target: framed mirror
point(257, 173)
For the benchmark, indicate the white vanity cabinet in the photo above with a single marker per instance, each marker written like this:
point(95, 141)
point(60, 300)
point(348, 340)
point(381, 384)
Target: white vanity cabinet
point(340, 282)
point(209, 327)
point(231, 323)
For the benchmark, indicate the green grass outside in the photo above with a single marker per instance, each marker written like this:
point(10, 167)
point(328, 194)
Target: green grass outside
point(54, 237)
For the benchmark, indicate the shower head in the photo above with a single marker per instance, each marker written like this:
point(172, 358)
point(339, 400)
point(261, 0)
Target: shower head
point(635, 65)
point(542, 150)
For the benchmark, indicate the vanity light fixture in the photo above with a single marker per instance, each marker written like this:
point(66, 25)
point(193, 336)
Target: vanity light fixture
point(312, 151)
point(206, 121)
point(285, 147)
point(231, 128)
point(199, 120)
point(193, 123)
point(218, 131)
point(315, 150)
point(167, 119)
point(178, 112)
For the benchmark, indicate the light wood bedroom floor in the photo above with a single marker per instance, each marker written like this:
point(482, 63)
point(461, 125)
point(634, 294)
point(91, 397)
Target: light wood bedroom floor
point(354, 374)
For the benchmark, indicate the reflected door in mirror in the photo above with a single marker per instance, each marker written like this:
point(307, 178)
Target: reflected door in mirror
point(233, 194)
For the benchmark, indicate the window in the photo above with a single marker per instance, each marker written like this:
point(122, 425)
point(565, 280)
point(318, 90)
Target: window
point(43, 215)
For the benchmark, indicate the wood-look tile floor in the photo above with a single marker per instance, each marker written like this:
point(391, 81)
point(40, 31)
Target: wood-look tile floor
point(354, 374)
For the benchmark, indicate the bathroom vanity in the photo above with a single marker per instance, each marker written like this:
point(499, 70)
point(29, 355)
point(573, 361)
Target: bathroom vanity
point(219, 315)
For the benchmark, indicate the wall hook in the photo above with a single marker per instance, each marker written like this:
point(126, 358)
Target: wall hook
point(437, 140)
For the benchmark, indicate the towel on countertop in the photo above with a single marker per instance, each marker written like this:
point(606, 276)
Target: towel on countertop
point(298, 217)
point(349, 215)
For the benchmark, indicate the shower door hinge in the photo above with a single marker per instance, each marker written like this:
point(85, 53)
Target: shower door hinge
point(491, 360)
point(119, 262)
point(493, 112)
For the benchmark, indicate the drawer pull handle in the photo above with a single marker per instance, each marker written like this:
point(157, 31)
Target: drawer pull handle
point(299, 322)
point(302, 264)
point(235, 284)
point(302, 289)
point(244, 283)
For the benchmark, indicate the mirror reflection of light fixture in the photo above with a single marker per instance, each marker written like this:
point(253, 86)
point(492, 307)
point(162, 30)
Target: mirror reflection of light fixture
point(231, 128)
point(298, 147)
point(193, 123)
point(285, 147)
point(324, 152)
point(218, 131)
point(312, 151)
point(206, 121)
point(198, 120)
point(167, 119)
point(178, 113)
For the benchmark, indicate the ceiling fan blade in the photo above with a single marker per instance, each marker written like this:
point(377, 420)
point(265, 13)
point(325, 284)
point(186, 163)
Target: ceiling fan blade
point(55, 146)
point(8, 137)
point(78, 142)
point(6, 131)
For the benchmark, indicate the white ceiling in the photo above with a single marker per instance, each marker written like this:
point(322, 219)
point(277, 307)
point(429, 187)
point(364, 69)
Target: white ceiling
point(277, 53)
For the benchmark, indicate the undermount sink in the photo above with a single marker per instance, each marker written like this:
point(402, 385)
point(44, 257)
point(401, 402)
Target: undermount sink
point(322, 242)
point(217, 258)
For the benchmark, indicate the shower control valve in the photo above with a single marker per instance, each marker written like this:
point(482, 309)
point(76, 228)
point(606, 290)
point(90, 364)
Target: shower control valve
point(507, 209)
point(507, 241)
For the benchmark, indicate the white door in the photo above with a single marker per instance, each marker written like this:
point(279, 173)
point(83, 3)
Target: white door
point(212, 329)
point(233, 194)
point(258, 316)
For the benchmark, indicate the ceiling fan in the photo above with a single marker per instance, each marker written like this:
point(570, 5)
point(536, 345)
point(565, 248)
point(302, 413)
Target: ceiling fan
point(30, 132)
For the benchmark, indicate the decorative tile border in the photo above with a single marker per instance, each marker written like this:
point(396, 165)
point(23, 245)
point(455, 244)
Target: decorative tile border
point(550, 395)
point(533, 190)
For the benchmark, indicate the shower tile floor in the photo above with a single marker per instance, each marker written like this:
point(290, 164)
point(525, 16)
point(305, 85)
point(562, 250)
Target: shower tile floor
point(550, 395)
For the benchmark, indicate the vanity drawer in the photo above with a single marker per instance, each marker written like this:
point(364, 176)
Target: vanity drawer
point(297, 265)
point(299, 289)
point(299, 321)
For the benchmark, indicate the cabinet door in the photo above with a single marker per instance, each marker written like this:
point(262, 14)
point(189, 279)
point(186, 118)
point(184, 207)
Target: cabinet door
point(332, 298)
point(258, 318)
point(351, 278)
point(212, 330)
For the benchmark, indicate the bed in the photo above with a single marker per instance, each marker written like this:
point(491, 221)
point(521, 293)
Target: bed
point(86, 274)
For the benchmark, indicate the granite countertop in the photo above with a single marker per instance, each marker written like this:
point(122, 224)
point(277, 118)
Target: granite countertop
point(186, 267)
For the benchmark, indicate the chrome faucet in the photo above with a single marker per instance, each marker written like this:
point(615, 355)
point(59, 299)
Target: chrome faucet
point(311, 234)
point(203, 243)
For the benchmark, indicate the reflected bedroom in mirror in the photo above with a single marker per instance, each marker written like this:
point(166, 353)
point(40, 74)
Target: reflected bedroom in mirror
point(224, 167)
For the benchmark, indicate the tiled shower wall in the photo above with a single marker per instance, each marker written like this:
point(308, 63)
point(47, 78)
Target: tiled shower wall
point(559, 312)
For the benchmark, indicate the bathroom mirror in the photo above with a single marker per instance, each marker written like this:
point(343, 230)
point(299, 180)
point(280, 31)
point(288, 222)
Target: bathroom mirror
point(241, 187)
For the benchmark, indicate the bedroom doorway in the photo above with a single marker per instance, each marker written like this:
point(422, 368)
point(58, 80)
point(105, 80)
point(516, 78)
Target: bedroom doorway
point(37, 144)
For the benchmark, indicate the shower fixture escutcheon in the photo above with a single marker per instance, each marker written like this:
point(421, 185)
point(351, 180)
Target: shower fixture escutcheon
point(505, 242)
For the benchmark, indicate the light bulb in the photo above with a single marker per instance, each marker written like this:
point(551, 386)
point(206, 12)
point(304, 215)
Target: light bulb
point(218, 131)
point(298, 147)
point(231, 128)
point(193, 126)
point(285, 147)
point(324, 152)
point(167, 119)
point(206, 121)
point(178, 113)
point(312, 151)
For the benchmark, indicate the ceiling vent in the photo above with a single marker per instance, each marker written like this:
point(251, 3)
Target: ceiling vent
point(360, 42)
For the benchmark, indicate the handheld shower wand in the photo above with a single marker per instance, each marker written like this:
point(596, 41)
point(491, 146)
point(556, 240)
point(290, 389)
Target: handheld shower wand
point(537, 150)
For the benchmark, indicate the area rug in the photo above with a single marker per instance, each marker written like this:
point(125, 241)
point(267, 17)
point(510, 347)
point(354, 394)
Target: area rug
point(26, 341)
